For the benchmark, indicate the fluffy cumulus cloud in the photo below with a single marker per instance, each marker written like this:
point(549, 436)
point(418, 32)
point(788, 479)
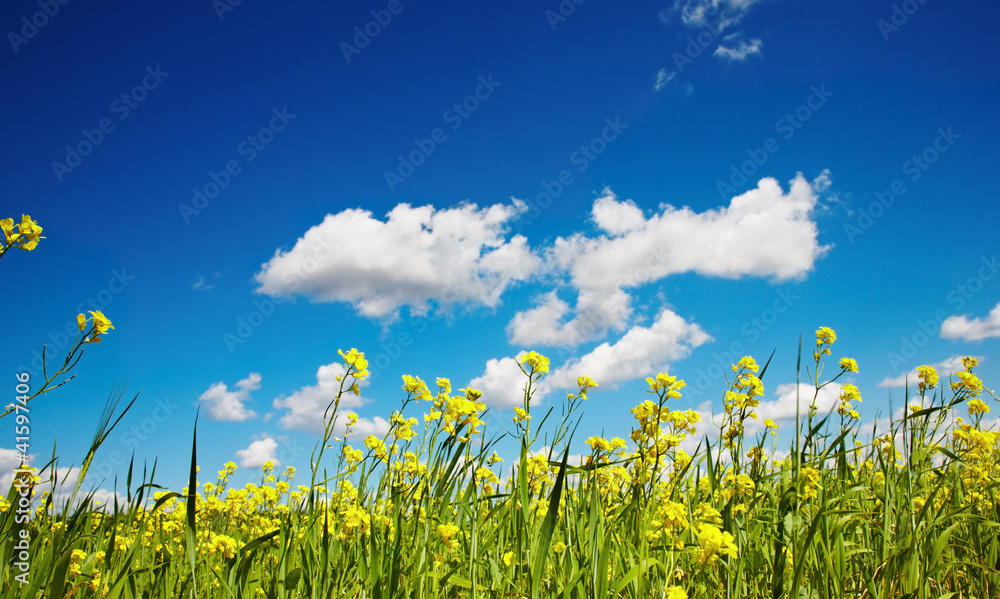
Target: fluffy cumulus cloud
point(972, 329)
point(259, 451)
point(641, 352)
point(792, 397)
point(549, 323)
point(764, 232)
point(944, 368)
point(503, 384)
point(416, 256)
point(224, 404)
point(304, 409)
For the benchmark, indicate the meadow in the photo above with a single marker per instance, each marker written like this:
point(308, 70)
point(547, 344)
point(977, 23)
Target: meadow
point(432, 510)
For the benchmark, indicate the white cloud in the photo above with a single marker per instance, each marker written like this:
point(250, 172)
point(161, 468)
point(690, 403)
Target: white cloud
point(304, 409)
point(641, 352)
point(717, 14)
point(596, 312)
point(663, 77)
point(260, 451)
point(202, 285)
point(9, 460)
point(719, 17)
point(763, 232)
point(735, 48)
point(503, 384)
point(944, 368)
point(416, 256)
point(783, 408)
point(224, 404)
point(975, 329)
point(614, 217)
point(66, 479)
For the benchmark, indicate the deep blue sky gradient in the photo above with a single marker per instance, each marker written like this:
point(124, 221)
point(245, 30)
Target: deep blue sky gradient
point(118, 210)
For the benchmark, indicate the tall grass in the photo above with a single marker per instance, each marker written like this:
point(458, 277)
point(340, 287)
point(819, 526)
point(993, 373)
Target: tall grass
point(423, 512)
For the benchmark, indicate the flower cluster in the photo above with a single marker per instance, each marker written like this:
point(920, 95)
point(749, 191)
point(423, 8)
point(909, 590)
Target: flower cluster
point(24, 235)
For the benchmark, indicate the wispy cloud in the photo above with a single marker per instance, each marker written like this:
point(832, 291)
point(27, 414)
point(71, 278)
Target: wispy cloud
point(202, 285)
point(735, 48)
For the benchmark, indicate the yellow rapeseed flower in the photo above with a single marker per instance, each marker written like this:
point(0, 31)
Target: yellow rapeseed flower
point(849, 364)
point(928, 377)
point(448, 532)
point(357, 360)
point(712, 542)
point(539, 364)
point(675, 593)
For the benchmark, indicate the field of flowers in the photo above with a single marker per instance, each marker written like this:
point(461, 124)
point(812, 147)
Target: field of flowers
point(424, 512)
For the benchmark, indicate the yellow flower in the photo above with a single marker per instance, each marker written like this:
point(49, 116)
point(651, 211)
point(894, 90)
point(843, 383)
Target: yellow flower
point(539, 364)
point(521, 415)
point(584, 383)
point(849, 364)
point(675, 593)
point(928, 377)
point(711, 542)
point(444, 385)
point(7, 225)
point(977, 406)
point(508, 558)
point(100, 322)
point(746, 362)
point(30, 233)
point(969, 362)
point(969, 383)
point(413, 384)
point(357, 360)
point(825, 336)
point(448, 532)
point(559, 547)
point(375, 444)
point(599, 444)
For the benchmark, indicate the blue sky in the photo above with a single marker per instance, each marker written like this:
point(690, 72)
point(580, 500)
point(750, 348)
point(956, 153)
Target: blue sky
point(244, 190)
